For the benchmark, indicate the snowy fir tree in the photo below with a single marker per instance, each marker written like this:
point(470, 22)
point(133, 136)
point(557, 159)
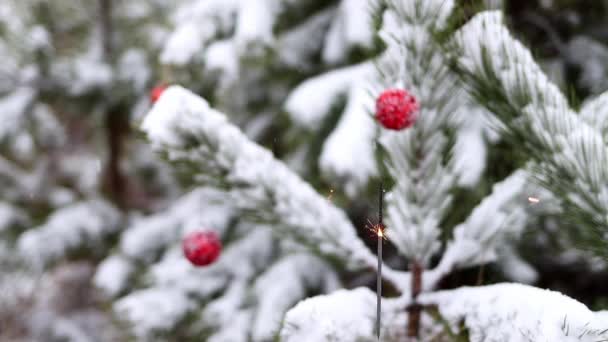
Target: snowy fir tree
point(209, 170)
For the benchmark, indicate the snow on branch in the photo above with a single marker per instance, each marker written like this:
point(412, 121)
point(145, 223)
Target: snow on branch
point(188, 131)
point(154, 311)
point(595, 112)
point(416, 157)
point(572, 156)
point(78, 226)
point(352, 27)
point(283, 285)
point(200, 209)
point(147, 238)
point(348, 156)
point(502, 312)
point(254, 26)
point(12, 219)
point(225, 280)
point(499, 216)
point(310, 102)
point(345, 315)
point(13, 108)
point(515, 312)
point(197, 22)
point(341, 316)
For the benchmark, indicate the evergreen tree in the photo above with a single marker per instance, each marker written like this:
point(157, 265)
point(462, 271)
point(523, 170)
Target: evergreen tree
point(295, 111)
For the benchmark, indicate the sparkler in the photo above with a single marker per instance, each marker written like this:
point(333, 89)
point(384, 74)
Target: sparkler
point(380, 234)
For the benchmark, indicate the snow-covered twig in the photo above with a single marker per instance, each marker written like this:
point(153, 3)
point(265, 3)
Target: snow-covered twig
point(572, 155)
point(189, 132)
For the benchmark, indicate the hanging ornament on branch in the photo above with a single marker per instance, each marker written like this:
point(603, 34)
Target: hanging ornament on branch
point(396, 109)
point(202, 248)
point(156, 92)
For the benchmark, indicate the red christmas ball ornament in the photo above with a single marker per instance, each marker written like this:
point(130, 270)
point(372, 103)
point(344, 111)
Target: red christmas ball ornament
point(156, 92)
point(396, 109)
point(202, 248)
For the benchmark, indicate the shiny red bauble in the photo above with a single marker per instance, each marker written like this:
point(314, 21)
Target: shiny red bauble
point(202, 248)
point(396, 109)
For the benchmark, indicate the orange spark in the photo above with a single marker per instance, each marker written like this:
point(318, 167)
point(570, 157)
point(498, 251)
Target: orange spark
point(533, 200)
point(331, 193)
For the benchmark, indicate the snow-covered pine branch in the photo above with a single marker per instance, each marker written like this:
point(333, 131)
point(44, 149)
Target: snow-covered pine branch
point(595, 112)
point(83, 225)
point(184, 128)
point(501, 312)
point(571, 155)
point(193, 288)
point(515, 312)
point(149, 263)
point(341, 316)
point(12, 220)
point(257, 26)
point(341, 32)
point(416, 157)
point(501, 216)
point(147, 238)
point(285, 283)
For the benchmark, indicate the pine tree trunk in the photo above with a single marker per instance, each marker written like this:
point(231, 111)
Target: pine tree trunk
point(117, 128)
point(413, 324)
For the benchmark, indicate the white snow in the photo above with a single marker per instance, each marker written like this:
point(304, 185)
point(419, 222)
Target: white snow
point(222, 56)
point(341, 316)
point(200, 209)
point(502, 312)
point(502, 212)
point(514, 312)
point(470, 150)
point(499, 217)
point(154, 310)
point(84, 167)
point(311, 101)
point(351, 27)
point(348, 156)
point(39, 38)
point(224, 286)
point(185, 42)
point(84, 224)
point(514, 267)
point(595, 112)
point(113, 274)
point(11, 216)
point(12, 109)
point(197, 22)
point(285, 283)
point(240, 261)
point(133, 67)
point(253, 32)
point(83, 73)
point(236, 331)
point(17, 284)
